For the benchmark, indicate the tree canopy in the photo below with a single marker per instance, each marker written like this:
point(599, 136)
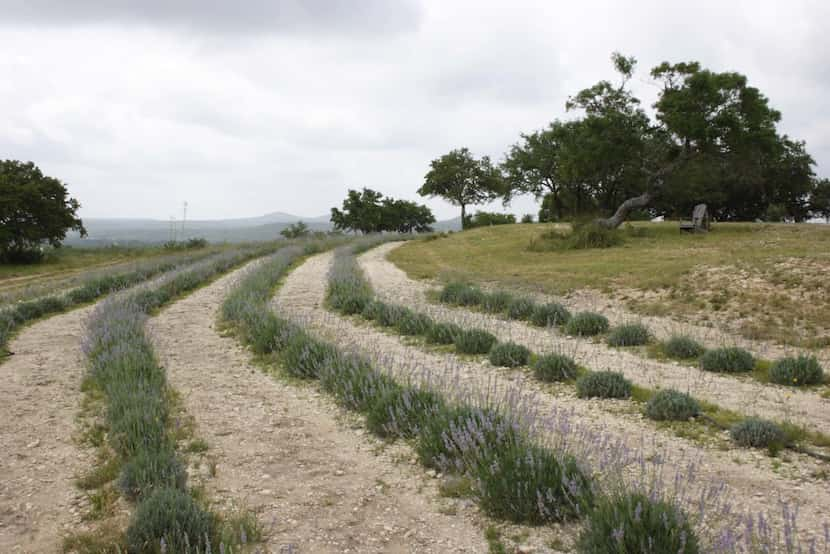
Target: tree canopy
point(713, 139)
point(367, 211)
point(463, 180)
point(34, 209)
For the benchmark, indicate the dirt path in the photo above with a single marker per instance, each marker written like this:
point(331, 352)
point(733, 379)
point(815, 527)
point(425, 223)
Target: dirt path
point(755, 482)
point(39, 399)
point(743, 395)
point(317, 481)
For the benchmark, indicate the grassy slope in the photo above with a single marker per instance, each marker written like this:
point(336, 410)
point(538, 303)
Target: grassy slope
point(781, 263)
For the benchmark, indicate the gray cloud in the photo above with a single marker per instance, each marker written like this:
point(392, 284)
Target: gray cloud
point(141, 111)
point(284, 16)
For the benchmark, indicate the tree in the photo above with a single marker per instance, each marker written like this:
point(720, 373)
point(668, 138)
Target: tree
point(462, 180)
point(361, 211)
point(296, 231)
point(34, 209)
point(369, 212)
point(403, 216)
point(820, 199)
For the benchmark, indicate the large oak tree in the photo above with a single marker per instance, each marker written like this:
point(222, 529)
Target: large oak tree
point(34, 210)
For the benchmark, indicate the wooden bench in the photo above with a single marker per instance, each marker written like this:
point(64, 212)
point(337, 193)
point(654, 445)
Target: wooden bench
point(699, 222)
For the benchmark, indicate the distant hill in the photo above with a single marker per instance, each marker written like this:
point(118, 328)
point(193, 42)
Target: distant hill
point(107, 231)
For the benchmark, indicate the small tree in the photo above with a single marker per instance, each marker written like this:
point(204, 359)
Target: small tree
point(34, 209)
point(361, 211)
point(403, 216)
point(462, 180)
point(820, 199)
point(296, 231)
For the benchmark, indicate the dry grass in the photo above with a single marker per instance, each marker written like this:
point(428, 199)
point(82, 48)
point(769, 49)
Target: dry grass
point(765, 281)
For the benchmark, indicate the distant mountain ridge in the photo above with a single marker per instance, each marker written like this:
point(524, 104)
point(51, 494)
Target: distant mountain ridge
point(105, 231)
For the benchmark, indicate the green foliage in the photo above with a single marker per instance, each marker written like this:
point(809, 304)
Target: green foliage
point(435, 444)
point(461, 294)
point(671, 405)
point(172, 515)
point(730, 359)
point(630, 334)
point(442, 333)
point(683, 347)
point(34, 209)
point(474, 341)
point(509, 354)
point(411, 323)
point(586, 324)
point(296, 231)
point(496, 302)
point(635, 522)
point(189, 244)
point(555, 367)
point(603, 384)
point(388, 315)
point(401, 411)
point(520, 308)
point(460, 179)
point(758, 433)
point(149, 470)
point(305, 357)
point(550, 315)
point(487, 219)
point(527, 218)
point(796, 371)
point(367, 211)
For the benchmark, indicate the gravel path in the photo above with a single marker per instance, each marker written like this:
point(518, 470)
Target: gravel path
point(317, 481)
point(754, 481)
point(742, 395)
point(39, 399)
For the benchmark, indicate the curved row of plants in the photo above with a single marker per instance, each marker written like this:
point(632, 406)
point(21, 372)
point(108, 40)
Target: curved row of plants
point(19, 314)
point(141, 459)
point(796, 371)
point(494, 448)
point(665, 405)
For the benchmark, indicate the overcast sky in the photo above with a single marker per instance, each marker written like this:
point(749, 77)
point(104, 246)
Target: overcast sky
point(242, 108)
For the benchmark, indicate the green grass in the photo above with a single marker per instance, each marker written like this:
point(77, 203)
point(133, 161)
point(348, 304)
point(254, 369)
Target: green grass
point(665, 260)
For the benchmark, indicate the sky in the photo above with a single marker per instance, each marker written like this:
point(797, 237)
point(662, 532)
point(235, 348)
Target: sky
point(251, 107)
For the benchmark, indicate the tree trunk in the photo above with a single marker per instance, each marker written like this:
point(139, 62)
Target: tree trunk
point(463, 217)
point(625, 208)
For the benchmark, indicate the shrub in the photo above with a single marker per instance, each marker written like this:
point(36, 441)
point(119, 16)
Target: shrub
point(551, 314)
point(520, 308)
point(729, 359)
point(172, 515)
point(388, 314)
point(411, 323)
point(630, 334)
point(486, 219)
point(149, 470)
point(509, 354)
point(555, 367)
point(306, 357)
point(586, 324)
point(636, 522)
point(671, 405)
point(584, 236)
point(496, 302)
point(400, 412)
point(436, 443)
point(461, 294)
point(803, 370)
point(603, 384)
point(354, 383)
point(372, 310)
point(474, 341)
point(527, 218)
point(442, 333)
point(758, 433)
point(683, 347)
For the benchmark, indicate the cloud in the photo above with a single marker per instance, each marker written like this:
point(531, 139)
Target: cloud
point(281, 108)
point(249, 16)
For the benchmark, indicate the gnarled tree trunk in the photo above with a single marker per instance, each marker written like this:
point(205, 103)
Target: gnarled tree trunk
point(625, 208)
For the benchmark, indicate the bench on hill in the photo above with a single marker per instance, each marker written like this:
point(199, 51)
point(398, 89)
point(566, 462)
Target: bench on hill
point(699, 222)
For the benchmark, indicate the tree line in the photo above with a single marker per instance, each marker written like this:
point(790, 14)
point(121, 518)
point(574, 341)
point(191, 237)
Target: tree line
point(713, 139)
point(368, 211)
